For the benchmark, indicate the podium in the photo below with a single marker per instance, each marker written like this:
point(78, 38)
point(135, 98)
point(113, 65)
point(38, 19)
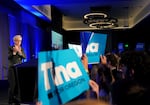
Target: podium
point(26, 74)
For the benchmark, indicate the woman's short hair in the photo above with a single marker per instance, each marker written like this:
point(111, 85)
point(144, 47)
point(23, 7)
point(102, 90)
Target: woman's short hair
point(17, 37)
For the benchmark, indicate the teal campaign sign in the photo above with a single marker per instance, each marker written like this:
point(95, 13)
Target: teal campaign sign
point(61, 77)
point(96, 47)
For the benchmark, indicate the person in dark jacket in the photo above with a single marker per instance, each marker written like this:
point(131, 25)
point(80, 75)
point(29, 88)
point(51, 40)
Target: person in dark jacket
point(15, 56)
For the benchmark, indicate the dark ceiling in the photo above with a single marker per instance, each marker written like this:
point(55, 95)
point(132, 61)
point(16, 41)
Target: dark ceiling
point(127, 12)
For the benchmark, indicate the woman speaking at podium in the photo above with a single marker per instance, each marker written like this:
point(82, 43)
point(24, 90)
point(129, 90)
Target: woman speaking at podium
point(15, 56)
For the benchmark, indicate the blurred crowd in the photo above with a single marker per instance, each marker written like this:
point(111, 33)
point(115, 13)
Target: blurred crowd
point(118, 79)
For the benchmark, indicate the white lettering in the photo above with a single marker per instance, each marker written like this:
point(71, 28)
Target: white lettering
point(93, 47)
point(59, 71)
point(72, 71)
point(62, 74)
point(45, 67)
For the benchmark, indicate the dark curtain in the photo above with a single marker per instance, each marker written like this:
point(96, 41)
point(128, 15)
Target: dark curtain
point(4, 42)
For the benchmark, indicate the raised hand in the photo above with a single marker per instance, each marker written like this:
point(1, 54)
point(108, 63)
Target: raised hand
point(85, 61)
point(103, 59)
point(94, 87)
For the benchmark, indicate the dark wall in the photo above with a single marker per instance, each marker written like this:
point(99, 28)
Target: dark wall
point(72, 37)
point(56, 22)
point(139, 33)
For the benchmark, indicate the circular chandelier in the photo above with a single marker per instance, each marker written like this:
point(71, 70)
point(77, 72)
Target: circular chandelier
point(100, 20)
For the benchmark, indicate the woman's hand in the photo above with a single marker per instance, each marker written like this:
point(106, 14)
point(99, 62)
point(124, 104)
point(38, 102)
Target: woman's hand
point(85, 61)
point(38, 103)
point(94, 87)
point(103, 59)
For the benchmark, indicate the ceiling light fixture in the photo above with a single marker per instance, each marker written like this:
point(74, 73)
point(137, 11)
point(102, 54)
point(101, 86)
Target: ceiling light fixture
point(100, 25)
point(100, 20)
point(101, 15)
